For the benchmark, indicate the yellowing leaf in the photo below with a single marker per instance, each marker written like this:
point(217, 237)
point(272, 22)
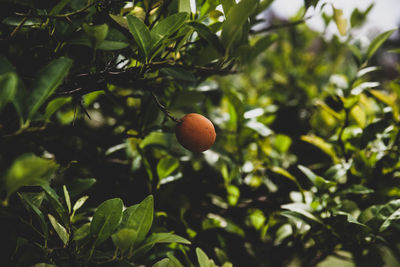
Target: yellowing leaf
point(341, 22)
point(321, 144)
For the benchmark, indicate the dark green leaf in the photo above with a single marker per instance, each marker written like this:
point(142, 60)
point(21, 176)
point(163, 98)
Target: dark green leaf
point(166, 28)
point(141, 218)
point(179, 74)
point(106, 219)
point(300, 211)
point(46, 82)
point(55, 202)
point(141, 34)
point(235, 19)
point(149, 242)
point(80, 185)
point(205, 33)
point(38, 212)
point(96, 33)
point(8, 88)
point(60, 6)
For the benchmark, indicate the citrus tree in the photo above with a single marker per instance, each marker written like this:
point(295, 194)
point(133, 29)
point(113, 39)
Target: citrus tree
point(196, 133)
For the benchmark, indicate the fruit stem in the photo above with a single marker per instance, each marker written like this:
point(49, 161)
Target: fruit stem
point(164, 109)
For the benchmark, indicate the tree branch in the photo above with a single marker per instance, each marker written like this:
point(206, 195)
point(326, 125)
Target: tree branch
point(164, 109)
point(60, 16)
point(280, 26)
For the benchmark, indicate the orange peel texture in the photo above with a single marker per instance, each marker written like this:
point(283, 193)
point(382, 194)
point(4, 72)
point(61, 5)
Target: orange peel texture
point(195, 132)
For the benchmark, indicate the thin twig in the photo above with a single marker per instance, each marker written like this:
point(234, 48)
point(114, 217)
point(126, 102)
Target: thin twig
point(280, 26)
point(60, 16)
point(163, 108)
point(14, 32)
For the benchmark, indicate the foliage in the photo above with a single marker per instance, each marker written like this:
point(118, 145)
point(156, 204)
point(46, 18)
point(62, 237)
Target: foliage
point(306, 162)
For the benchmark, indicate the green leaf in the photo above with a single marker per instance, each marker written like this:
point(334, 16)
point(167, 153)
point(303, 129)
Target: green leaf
point(38, 212)
point(29, 170)
point(205, 33)
point(55, 105)
point(106, 219)
point(309, 3)
point(141, 34)
point(122, 21)
point(60, 230)
point(357, 189)
point(321, 144)
point(184, 6)
point(124, 238)
point(227, 5)
point(164, 263)
point(160, 238)
point(82, 232)
point(80, 185)
point(179, 74)
point(55, 202)
point(317, 180)
point(300, 211)
point(8, 88)
point(174, 260)
point(341, 22)
point(46, 82)
point(115, 40)
point(233, 194)
point(96, 33)
point(394, 217)
point(235, 19)
point(60, 6)
point(166, 27)
point(140, 218)
point(166, 166)
point(377, 42)
point(67, 198)
point(349, 218)
point(203, 259)
point(262, 44)
point(78, 204)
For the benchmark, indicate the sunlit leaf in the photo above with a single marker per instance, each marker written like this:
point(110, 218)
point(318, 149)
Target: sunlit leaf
point(29, 170)
point(124, 238)
point(341, 22)
point(8, 88)
point(377, 42)
point(166, 166)
point(60, 230)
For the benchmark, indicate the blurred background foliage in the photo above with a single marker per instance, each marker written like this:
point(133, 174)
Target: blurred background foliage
point(304, 172)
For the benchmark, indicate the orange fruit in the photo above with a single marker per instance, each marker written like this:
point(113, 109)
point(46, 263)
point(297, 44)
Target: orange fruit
point(195, 132)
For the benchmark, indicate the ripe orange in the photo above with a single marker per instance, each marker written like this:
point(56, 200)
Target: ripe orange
point(195, 132)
